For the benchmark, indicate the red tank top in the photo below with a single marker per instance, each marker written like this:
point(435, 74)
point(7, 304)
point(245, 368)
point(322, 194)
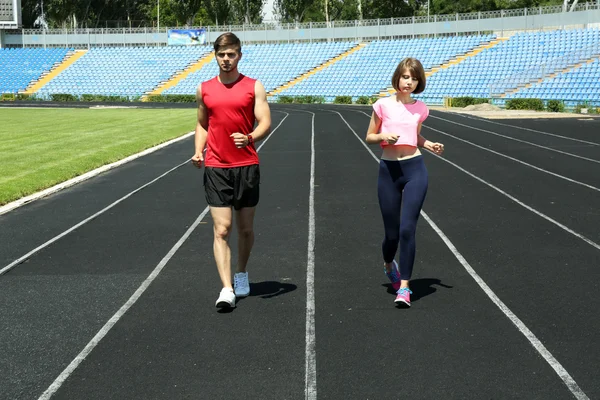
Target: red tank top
point(230, 109)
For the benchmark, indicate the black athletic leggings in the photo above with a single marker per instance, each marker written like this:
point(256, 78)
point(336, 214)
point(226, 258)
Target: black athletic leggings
point(401, 187)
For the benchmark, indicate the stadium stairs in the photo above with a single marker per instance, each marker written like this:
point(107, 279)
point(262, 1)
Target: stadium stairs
point(550, 76)
point(316, 70)
point(71, 57)
point(179, 76)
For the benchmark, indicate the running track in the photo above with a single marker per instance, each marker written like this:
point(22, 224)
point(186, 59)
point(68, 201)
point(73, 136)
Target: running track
point(505, 302)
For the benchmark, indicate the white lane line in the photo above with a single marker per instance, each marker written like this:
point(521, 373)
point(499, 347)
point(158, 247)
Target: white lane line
point(311, 348)
point(310, 378)
point(115, 318)
point(535, 342)
point(515, 159)
point(85, 221)
point(136, 295)
point(526, 129)
point(56, 188)
point(519, 140)
point(533, 210)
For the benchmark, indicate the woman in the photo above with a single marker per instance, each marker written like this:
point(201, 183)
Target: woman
point(402, 184)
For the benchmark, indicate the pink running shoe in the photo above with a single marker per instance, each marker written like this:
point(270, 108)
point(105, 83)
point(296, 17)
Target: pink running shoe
point(403, 297)
point(394, 276)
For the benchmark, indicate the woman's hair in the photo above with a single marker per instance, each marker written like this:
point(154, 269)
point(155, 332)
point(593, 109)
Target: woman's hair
point(416, 70)
point(228, 39)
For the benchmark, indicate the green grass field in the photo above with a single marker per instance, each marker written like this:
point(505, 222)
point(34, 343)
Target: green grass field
point(42, 147)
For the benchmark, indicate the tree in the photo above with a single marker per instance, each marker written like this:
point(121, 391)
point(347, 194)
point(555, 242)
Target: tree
point(186, 10)
point(295, 10)
point(343, 10)
point(373, 9)
point(218, 10)
point(247, 11)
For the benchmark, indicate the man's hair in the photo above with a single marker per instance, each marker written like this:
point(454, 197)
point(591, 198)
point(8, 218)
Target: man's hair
point(416, 70)
point(228, 39)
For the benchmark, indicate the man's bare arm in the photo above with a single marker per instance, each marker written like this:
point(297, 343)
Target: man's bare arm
point(201, 129)
point(261, 112)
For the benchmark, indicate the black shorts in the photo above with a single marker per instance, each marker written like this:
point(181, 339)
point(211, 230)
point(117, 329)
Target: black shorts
point(235, 187)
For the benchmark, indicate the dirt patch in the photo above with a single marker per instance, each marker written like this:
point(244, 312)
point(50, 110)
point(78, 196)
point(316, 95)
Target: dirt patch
point(490, 111)
point(482, 107)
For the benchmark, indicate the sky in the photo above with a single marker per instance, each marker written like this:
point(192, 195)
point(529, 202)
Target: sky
point(268, 10)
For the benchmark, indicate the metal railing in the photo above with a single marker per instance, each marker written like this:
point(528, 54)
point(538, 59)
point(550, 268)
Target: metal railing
point(277, 26)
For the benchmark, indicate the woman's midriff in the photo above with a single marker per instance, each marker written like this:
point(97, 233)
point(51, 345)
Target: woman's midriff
point(401, 152)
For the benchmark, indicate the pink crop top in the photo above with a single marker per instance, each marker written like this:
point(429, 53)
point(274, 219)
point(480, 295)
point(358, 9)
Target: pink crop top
point(400, 119)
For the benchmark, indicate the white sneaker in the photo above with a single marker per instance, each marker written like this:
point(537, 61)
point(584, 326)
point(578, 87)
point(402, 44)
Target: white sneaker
point(241, 284)
point(226, 299)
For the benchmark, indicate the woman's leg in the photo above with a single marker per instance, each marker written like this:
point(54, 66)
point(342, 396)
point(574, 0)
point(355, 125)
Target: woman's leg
point(413, 198)
point(390, 200)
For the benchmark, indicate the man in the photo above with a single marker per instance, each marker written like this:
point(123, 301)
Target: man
point(228, 107)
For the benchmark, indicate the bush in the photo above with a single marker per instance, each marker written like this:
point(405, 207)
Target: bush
point(91, 97)
point(363, 100)
point(172, 98)
point(103, 98)
point(63, 97)
point(555, 106)
point(467, 101)
point(525, 104)
point(342, 100)
point(309, 100)
point(285, 99)
point(23, 96)
point(116, 99)
point(578, 108)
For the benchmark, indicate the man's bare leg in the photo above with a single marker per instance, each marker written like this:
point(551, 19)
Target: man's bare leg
point(222, 221)
point(245, 227)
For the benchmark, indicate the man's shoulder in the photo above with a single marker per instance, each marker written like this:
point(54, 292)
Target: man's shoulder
point(209, 81)
point(204, 86)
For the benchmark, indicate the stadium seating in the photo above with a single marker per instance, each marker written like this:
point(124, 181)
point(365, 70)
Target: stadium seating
point(21, 66)
point(123, 71)
point(369, 70)
point(559, 64)
point(274, 64)
point(495, 66)
point(574, 86)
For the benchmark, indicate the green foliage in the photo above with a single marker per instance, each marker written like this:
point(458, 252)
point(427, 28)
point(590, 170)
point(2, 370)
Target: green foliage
point(298, 10)
point(172, 98)
point(18, 96)
point(63, 97)
point(590, 109)
point(525, 104)
point(301, 99)
point(343, 10)
point(555, 106)
point(309, 100)
point(373, 9)
point(103, 98)
point(366, 100)
point(27, 97)
point(173, 13)
point(285, 99)
point(342, 100)
point(467, 101)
